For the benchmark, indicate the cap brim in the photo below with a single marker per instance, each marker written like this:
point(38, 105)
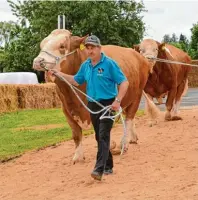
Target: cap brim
point(92, 43)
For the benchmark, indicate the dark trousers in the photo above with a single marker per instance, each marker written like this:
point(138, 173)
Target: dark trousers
point(104, 159)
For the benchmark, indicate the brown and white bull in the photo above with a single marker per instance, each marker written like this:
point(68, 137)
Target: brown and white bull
point(62, 51)
point(166, 78)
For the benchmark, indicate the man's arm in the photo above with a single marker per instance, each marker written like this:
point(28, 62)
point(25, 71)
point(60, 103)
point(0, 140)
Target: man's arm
point(69, 78)
point(122, 89)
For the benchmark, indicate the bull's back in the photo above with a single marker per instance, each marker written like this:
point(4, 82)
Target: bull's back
point(134, 65)
point(180, 56)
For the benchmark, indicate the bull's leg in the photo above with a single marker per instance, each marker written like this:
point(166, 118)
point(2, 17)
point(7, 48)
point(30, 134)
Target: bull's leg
point(170, 103)
point(77, 137)
point(130, 124)
point(175, 113)
point(130, 129)
point(181, 90)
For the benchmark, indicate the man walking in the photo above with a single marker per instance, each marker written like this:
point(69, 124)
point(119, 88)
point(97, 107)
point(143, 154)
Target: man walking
point(103, 76)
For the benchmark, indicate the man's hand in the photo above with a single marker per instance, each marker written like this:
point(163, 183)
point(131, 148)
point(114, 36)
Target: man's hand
point(52, 72)
point(115, 106)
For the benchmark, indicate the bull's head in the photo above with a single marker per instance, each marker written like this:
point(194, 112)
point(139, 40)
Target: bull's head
point(150, 49)
point(55, 48)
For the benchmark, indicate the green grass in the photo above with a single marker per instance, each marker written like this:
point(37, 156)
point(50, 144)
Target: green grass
point(26, 130)
point(23, 131)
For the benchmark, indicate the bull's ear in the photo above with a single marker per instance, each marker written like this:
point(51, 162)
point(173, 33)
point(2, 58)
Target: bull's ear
point(82, 44)
point(77, 41)
point(136, 47)
point(81, 40)
point(162, 46)
point(84, 37)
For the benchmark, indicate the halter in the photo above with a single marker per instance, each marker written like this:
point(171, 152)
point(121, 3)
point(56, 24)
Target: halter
point(57, 58)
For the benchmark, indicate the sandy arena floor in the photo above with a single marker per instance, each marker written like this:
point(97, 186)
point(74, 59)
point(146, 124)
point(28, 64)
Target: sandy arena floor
point(163, 166)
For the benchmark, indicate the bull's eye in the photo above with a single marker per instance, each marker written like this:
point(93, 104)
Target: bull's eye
point(62, 51)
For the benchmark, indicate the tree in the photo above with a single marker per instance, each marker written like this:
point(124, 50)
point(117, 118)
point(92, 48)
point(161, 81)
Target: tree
point(194, 42)
point(5, 32)
point(166, 38)
point(183, 39)
point(182, 43)
point(174, 38)
point(114, 22)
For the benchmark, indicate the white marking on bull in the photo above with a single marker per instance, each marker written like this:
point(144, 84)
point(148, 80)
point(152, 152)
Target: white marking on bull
point(84, 125)
point(79, 155)
point(175, 109)
point(176, 106)
point(167, 50)
point(130, 128)
point(152, 119)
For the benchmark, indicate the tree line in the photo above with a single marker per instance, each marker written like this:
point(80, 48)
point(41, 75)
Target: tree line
point(114, 22)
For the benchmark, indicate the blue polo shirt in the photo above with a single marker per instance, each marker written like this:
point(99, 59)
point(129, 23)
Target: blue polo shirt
point(102, 79)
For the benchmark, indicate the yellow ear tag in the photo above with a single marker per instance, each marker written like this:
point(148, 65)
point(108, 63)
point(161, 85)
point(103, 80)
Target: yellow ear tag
point(163, 47)
point(82, 46)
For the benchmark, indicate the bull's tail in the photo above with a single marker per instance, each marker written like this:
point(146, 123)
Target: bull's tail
point(186, 88)
point(151, 109)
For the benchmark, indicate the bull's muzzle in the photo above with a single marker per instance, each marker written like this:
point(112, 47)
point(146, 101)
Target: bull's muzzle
point(151, 60)
point(39, 64)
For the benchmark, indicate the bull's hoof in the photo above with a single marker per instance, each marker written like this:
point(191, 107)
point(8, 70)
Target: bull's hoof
point(132, 142)
point(78, 161)
point(168, 116)
point(115, 151)
point(175, 118)
point(133, 139)
point(152, 123)
point(112, 145)
point(118, 151)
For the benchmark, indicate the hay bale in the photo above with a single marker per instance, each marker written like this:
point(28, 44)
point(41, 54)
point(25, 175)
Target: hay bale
point(8, 98)
point(193, 75)
point(38, 96)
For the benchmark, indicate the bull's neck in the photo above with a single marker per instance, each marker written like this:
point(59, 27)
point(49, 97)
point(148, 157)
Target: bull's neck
point(73, 62)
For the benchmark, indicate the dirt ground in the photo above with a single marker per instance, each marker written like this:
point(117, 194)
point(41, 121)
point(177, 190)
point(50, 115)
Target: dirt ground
point(162, 166)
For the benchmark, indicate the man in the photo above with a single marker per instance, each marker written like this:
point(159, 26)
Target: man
point(102, 75)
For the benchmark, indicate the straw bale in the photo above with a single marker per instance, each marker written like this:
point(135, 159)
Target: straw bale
point(8, 98)
point(38, 96)
point(193, 75)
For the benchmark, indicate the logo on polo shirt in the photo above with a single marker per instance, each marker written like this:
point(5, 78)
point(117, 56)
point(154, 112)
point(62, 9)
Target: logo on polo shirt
point(100, 71)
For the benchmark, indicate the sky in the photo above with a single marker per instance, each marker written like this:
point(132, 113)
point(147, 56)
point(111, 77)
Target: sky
point(163, 17)
point(168, 17)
